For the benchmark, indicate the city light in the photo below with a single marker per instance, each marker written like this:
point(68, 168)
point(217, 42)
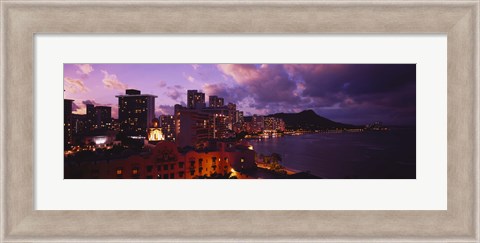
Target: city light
point(100, 140)
point(184, 130)
point(155, 134)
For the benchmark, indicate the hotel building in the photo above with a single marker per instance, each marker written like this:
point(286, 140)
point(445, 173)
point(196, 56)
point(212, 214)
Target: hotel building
point(135, 112)
point(215, 102)
point(165, 161)
point(103, 117)
point(195, 99)
point(191, 126)
point(67, 123)
point(167, 123)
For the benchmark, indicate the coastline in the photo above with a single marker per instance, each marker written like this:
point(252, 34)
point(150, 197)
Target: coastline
point(265, 173)
point(359, 156)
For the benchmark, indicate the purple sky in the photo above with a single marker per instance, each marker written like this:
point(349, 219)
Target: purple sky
point(349, 93)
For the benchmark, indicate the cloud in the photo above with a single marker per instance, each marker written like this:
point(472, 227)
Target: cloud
point(114, 111)
point(377, 84)
point(195, 66)
point(91, 102)
point(359, 92)
point(242, 73)
point(174, 92)
point(79, 108)
point(234, 94)
point(162, 83)
point(111, 81)
point(82, 107)
point(164, 110)
point(188, 77)
point(375, 89)
point(265, 83)
point(73, 85)
point(75, 107)
point(84, 69)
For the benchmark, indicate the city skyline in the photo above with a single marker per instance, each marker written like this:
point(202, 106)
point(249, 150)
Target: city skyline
point(348, 93)
point(161, 121)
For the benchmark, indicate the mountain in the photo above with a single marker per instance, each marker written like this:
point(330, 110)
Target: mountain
point(309, 120)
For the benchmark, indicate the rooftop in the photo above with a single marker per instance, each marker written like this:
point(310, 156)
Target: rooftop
point(140, 95)
point(134, 93)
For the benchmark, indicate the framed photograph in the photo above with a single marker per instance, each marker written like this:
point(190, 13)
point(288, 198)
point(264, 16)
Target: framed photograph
point(239, 121)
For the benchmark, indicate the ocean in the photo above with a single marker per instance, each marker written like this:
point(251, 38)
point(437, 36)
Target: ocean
point(349, 155)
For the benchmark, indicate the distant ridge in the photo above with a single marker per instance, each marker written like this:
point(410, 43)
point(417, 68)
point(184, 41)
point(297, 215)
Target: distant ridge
point(309, 120)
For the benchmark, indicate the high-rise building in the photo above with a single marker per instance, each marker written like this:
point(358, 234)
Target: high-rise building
point(240, 117)
point(79, 124)
point(103, 117)
point(269, 123)
point(167, 123)
point(90, 121)
point(280, 125)
point(90, 112)
point(218, 122)
point(135, 112)
point(67, 123)
point(191, 126)
point(232, 118)
point(195, 99)
point(215, 101)
point(257, 123)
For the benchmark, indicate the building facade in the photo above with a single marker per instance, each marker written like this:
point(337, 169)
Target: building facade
point(191, 126)
point(167, 124)
point(274, 124)
point(164, 161)
point(67, 123)
point(135, 112)
point(195, 99)
point(103, 117)
point(90, 117)
point(215, 101)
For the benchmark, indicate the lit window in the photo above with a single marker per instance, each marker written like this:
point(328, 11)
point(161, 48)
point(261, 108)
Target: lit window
point(119, 172)
point(135, 171)
point(242, 160)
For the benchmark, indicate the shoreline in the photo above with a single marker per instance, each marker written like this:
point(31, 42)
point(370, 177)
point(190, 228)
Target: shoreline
point(261, 172)
point(289, 171)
